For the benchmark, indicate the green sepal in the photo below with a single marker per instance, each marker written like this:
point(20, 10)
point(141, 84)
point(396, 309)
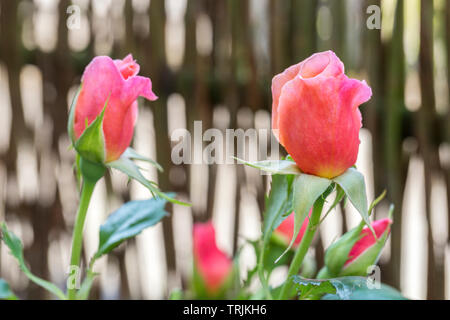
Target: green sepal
point(128, 167)
point(377, 201)
point(352, 182)
point(91, 144)
point(340, 197)
point(285, 166)
point(131, 154)
point(337, 253)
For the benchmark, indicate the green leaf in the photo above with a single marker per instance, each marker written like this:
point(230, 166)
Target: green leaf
point(130, 153)
point(376, 201)
point(357, 288)
point(71, 120)
point(128, 167)
point(128, 221)
point(312, 289)
point(352, 182)
point(344, 288)
point(274, 166)
point(16, 248)
point(91, 144)
point(5, 291)
point(307, 189)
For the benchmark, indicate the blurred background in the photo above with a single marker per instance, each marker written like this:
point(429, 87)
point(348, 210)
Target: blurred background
point(213, 61)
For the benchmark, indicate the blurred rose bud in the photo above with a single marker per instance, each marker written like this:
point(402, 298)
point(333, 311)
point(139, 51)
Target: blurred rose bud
point(356, 250)
point(211, 265)
point(116, 84)
point(284, 232)
point(315, 114)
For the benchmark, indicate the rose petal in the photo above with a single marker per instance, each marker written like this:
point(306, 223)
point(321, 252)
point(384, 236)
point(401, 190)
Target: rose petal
point(277, 84)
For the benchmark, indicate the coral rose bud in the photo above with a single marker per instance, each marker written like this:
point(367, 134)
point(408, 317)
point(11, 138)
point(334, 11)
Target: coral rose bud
point(284, 232)
point(367, 241)
point(117, 83)
point(212, 265)
point(315, 114)
point(356, 250)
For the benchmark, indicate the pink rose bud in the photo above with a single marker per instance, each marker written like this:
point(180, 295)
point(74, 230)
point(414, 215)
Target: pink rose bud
point(117, 83)
point(212, 265)
point(315, 110)
point(367, 239)
point(356, 250)
point(284, 232)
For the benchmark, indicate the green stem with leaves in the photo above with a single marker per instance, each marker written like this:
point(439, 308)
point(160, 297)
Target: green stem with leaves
point(302, 249)
point(91, 173)
point(77, 238)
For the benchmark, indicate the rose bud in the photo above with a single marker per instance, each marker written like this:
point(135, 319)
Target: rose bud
point(112, 86)
point(356, 250)
point(284, 232)
point(315, 114)
point(212, 266)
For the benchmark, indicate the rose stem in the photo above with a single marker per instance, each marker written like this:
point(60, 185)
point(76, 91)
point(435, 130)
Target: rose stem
point(294, 268)
point(77, 238)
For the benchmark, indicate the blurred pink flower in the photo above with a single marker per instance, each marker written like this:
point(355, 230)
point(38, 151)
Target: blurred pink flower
point(285, 230)
point(212, 264)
